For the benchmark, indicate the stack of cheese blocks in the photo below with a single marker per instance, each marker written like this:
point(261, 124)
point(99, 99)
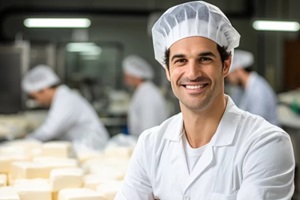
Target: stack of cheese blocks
point(31, 170)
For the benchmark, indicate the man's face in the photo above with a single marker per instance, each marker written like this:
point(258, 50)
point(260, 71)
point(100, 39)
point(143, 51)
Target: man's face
point(41, 97)
point(130, 81)
point(196, 72)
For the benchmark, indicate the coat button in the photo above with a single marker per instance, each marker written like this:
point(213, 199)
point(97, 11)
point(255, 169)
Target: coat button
point(186, 197)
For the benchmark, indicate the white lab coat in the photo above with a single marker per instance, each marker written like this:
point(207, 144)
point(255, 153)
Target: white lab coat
point(147, 109)
point(72, 118)
point(259, 98)
point(246, 159)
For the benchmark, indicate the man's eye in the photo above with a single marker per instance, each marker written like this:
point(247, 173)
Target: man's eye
point(205, 59)
point(179, 61)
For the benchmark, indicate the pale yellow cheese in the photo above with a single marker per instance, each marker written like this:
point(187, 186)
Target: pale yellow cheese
point(57, 149)
point(85, 156)
point(93, 180)
point(28, 170)
point(29, 148)
point(79, 194)
point(66, 178)
point(57, 162)
point(71, 162)
point(119, 152)
point(3, 180)
point(35, 181)
point(6, 160)
point(8, 193)
point(109, 189)
point(33, 190)
point(115, 167)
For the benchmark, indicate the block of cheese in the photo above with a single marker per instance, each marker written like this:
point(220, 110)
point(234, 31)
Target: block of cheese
point(28, 170)
point(34, 190)
point(8, 193)
point(57, 149)
point(6, 160)
point(24, 147)
point(79, 194)
point(84, 156)
point(119, 152)
point(3, 180)
point(108, 166)
point(108, 172)
point(109, 189)
point(66, 178)
point(35, 181)
point(93, 180)
point(57, 162)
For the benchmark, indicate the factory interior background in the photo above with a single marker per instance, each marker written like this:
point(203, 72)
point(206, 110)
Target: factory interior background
point(89, 59)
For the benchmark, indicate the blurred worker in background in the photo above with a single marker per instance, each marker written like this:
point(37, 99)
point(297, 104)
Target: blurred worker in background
point(212, 149)
point(148, 107)
point(254, 94)
point(70, 116)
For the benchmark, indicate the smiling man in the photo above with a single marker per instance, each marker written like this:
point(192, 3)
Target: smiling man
point(212, 150)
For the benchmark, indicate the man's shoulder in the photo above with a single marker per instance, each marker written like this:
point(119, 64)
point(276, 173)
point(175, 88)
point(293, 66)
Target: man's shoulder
point(249, 125)
point(254, 126)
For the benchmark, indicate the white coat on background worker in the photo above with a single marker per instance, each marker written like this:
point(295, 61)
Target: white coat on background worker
point(70, 116)
point(212, 150)
point(148, 106)
point(256, 95)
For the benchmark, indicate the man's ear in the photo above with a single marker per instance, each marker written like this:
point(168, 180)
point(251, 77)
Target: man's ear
point(167, 73)
point(226, 67)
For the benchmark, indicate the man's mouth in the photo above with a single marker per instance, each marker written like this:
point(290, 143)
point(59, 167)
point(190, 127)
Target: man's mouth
point(195, 87)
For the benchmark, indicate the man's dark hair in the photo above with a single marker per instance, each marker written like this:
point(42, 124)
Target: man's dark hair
point(55, 86)
point(222, 51)
point(248, 69)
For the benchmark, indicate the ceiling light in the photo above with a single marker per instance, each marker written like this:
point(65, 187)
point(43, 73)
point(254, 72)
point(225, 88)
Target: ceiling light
point(88, 48)
point(263, 25)
point(57, 22)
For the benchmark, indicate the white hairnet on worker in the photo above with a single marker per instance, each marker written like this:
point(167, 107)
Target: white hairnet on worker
point(138, 67)
point(193, 19)
point(242, 59)
point(38, 78)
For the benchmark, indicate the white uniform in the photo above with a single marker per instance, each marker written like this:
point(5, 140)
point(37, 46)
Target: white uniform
point(147, 109)
point(246, 159)
point(260, 99)
point(72, 118)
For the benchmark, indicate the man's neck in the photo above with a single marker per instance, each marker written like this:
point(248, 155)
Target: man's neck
point(201, 126)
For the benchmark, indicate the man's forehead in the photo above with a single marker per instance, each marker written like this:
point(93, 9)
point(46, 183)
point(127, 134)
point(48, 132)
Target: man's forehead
point(198, 43)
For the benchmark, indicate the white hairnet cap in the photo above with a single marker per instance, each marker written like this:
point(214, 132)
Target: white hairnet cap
point(196, 18)
point(38, 78)
point(241, 59)
point(137, 66)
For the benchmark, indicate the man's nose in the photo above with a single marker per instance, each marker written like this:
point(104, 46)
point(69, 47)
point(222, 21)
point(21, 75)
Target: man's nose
point(193, 70)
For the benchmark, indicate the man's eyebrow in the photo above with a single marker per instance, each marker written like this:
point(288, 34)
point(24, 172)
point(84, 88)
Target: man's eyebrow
point(177, 56)
point(207, 53)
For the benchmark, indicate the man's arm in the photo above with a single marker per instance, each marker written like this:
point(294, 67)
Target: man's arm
point(136, 183)
point(58, 121)
point(268, 169)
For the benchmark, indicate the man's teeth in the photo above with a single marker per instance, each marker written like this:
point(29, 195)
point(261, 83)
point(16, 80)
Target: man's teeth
point(193, 87)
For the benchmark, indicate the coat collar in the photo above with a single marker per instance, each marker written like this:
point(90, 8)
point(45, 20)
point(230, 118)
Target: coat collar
point(228, 126)
point(226, 130)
